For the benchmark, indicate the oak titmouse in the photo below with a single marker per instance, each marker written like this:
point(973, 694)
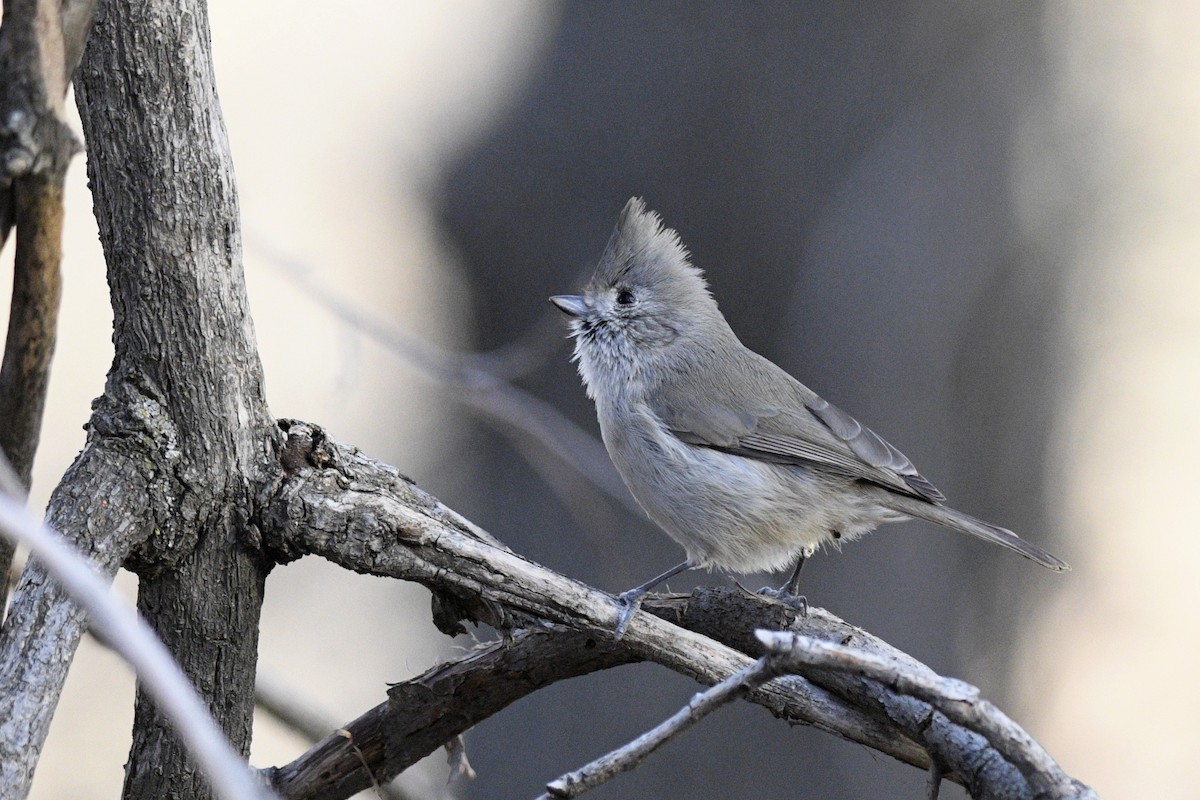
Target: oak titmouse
point(741, 464)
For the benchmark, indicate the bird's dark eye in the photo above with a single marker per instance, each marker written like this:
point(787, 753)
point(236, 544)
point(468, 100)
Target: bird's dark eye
point(625, 297)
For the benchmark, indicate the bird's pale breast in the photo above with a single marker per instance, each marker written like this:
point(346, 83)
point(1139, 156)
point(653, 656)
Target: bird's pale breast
point(727, 511)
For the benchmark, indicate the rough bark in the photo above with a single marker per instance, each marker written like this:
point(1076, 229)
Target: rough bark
point(166, 203)
point(182, 432)
point(181, 439)
point(102, 499)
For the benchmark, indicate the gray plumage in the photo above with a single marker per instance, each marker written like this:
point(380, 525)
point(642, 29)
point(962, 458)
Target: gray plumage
point(741, 464)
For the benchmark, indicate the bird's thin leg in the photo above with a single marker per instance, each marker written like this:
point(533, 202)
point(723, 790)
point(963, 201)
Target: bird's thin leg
point(934, 786)
point(632, 600)
point(790, 591)
point(792, 587)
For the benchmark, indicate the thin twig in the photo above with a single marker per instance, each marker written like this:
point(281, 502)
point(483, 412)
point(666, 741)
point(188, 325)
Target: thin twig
point(141, 648)
point(959, 701)
point(629, 756)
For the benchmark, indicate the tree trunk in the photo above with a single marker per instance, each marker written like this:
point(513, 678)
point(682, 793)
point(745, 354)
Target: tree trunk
point(165, 197)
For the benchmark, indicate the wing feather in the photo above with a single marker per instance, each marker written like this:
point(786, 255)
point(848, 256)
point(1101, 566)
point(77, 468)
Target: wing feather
point(797, 428)
point(872, 448)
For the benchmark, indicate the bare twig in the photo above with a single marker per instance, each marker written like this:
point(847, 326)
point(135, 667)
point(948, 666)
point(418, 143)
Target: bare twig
point(958, 701)
point(138, 645)
point(629, 756)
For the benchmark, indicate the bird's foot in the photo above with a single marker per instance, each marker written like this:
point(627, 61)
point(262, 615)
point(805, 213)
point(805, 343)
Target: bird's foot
point(783, 595)
point(631, 602)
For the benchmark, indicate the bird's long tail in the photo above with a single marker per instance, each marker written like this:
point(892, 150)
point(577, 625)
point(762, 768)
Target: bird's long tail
point(959, 521)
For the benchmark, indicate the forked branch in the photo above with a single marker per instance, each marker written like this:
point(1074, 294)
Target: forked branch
point(331, 500)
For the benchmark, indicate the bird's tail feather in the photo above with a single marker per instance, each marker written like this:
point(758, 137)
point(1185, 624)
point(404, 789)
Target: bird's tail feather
point(959, 521)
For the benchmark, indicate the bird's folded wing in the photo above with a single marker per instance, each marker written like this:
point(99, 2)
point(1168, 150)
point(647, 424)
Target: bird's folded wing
point(822, 435)
point(872, 448)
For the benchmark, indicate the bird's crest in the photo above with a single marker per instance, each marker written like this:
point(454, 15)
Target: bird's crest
point(642, 250)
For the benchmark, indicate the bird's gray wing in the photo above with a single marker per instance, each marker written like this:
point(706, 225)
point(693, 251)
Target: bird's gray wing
point(872, 448)
point(797, 428)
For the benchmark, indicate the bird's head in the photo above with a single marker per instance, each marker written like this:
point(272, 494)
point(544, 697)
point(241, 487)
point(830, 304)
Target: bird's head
point(643, 303)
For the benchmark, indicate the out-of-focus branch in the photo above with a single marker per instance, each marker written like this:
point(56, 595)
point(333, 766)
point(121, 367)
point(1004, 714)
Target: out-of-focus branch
point(481, 383)
point(333, 501)
point(287, 706)
point(33, 320)
point(40, 45)
point(76, 16)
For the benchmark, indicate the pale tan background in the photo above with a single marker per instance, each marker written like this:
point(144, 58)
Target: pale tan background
point(341, 129)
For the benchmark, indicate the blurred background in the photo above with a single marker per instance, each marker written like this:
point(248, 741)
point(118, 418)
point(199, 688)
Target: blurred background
point(976, 227)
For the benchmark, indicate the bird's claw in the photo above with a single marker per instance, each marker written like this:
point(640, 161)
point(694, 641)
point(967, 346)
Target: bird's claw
point(796, 601)
point(632, 601)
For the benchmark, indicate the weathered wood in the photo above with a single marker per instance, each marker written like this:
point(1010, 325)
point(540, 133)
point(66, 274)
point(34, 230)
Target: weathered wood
point(166, 203)
point(181, 439)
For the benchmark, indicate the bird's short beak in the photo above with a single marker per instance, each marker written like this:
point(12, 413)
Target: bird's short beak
point(570, 304)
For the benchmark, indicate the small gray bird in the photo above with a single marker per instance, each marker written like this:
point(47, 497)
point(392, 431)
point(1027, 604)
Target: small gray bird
point(740, 463)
